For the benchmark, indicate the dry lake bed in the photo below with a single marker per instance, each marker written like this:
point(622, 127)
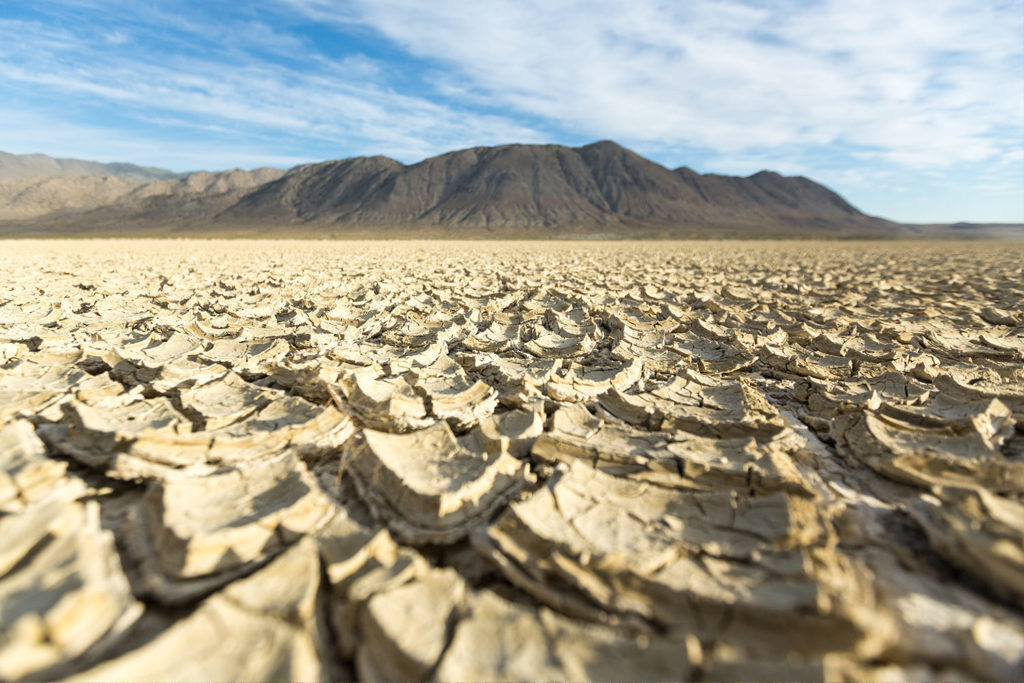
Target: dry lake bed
point(253, 460)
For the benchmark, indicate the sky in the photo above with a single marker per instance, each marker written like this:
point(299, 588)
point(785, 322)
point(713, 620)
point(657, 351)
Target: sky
point(911, 109)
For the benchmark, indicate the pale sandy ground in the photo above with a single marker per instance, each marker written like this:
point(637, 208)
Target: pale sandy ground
point(245, 460)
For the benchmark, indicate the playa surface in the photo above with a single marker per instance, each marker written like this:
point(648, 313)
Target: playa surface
point(253, 460)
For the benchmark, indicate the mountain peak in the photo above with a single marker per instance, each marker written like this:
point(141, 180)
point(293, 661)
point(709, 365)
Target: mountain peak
point(608, 149)
point(605, 145)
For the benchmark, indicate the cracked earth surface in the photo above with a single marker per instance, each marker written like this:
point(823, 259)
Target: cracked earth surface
point(240, 460)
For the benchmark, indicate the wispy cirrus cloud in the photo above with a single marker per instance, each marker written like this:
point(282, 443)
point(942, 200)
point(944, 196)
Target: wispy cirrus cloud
point(211, 146)
point(336, 105)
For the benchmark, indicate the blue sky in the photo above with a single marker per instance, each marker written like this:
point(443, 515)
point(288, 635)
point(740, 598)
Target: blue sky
point(911, 109)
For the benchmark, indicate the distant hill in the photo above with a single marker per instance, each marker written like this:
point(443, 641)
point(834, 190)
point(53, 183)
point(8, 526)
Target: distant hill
point(510, 190)
point(29, 198)
point(199, 196)
point(17, 166)
point(106, 200)
point(969, 231)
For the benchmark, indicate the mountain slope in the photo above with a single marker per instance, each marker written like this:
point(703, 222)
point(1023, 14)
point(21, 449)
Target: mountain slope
point(766, 192)
point(18, 166)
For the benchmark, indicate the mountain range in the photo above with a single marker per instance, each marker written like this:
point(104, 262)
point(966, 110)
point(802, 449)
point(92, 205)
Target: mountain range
point(14, 166)
point(601, 189)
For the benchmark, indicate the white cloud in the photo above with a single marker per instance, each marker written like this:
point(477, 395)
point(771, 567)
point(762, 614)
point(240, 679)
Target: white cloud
point(915, 82)
point(116, 37)
point(1015, 155)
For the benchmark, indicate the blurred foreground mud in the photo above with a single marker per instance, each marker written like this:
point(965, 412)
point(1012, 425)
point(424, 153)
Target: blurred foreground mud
point(233, 460)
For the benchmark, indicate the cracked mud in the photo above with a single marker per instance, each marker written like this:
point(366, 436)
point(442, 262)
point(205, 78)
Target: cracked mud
point(247, 460)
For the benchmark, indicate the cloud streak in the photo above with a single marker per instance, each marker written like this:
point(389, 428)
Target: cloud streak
point(338, 105)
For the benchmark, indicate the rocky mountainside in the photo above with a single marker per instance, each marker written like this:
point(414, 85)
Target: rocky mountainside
point(15, 166)
point(529, 190)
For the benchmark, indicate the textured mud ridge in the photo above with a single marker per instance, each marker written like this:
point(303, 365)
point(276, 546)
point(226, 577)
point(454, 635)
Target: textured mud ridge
point(272, 460)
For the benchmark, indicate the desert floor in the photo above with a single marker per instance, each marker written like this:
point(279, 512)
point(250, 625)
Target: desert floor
point(235, 460)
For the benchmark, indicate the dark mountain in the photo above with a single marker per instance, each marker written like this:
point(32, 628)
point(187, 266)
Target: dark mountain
point(539, 190)
point(602, 185)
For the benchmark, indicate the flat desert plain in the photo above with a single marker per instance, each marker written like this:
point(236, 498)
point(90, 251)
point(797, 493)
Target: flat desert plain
point(253, 460)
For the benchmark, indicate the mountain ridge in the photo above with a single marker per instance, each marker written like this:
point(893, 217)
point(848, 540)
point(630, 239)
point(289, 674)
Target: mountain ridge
point(515, 189)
